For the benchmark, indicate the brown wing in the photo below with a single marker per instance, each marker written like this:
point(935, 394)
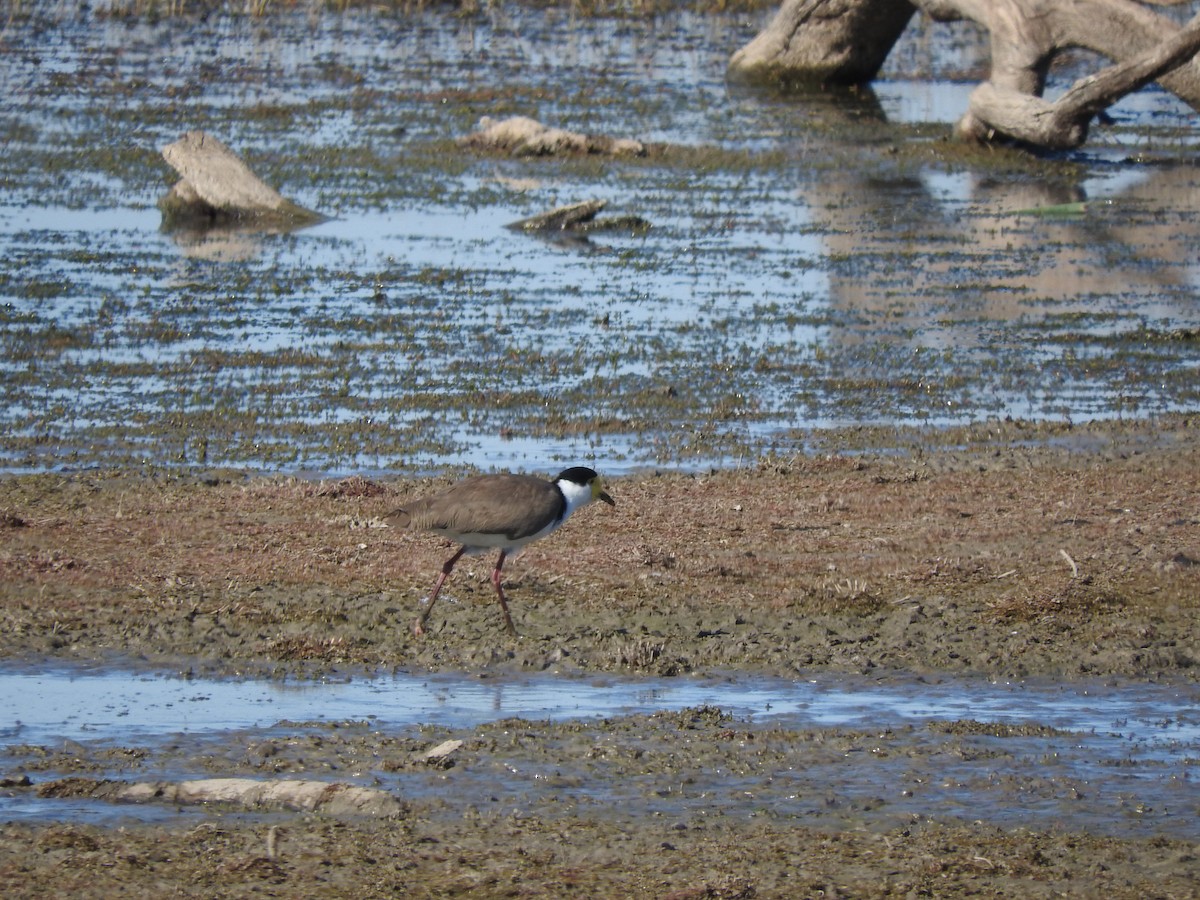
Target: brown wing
point(515, 506)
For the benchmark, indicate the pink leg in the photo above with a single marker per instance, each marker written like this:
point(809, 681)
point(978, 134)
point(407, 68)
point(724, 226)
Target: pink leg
point(508, 623)
point(419, 625)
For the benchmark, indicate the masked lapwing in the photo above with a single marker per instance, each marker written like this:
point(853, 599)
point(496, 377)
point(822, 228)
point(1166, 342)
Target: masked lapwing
point(498, 512)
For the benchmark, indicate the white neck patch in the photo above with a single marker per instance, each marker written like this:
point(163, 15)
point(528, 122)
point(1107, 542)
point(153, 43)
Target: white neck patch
point(577, 495)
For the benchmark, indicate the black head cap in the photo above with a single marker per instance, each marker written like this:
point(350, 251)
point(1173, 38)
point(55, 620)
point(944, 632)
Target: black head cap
point(585, 477)
point(578, 474)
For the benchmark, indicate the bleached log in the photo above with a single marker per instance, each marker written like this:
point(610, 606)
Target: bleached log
point(823, 41)
point(846, 41)
point(218, 186)
point(1063, 124)
point(523, 136)
point(309, 796)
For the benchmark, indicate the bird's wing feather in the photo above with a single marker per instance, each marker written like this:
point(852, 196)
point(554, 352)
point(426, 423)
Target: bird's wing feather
point(470, 507)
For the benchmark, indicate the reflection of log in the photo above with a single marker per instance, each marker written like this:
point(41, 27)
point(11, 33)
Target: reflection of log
point(310, 796)
point(218, 187)
point(845, 41)
point(1030, 265)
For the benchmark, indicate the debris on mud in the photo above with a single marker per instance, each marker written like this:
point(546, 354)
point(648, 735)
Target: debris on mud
point(523, 136)
point(330, 798)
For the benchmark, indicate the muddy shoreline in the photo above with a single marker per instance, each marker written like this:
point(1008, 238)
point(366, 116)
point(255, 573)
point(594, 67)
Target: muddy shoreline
point(1003, 551)
point(1010, 551)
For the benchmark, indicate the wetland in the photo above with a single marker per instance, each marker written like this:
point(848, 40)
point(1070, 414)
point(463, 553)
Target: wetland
point(899, 596)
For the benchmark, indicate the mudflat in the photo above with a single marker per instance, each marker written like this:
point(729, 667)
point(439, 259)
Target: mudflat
point(1006, 550)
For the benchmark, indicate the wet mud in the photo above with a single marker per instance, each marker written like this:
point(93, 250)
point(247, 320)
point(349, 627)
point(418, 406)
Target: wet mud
point(1008, 552)
point(809, 264)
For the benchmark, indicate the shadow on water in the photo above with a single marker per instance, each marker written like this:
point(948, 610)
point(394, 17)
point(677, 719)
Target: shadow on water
point(1106, 757)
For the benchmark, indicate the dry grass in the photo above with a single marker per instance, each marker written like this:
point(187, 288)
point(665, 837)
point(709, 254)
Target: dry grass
point(307, 570)
point(1077, 600)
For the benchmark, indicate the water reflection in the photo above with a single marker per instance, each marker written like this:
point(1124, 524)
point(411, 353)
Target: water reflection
point(983, 251)
point(106, 704)
point(227, 243)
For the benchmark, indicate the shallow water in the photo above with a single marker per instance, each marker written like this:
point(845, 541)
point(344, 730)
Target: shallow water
point(105, 704)
point(1111, 757)
point(798, 275)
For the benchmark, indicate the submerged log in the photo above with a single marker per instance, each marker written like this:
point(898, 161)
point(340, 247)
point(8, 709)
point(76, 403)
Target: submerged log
point(216, 187)
point(579, 219)
point(440, 756)
point(561, 218)
point(846, 41)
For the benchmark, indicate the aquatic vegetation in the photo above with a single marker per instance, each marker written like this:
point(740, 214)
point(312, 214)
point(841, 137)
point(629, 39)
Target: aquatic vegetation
point(809, 264)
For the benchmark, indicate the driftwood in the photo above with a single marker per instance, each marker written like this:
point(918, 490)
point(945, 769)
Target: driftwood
point(440, 757)
point(307, 796)
point(562, 218)
point(522, 136)
point(1064, 124)
point(823, 41)
point(846, 42)
point(216, 187)
point(577, 219)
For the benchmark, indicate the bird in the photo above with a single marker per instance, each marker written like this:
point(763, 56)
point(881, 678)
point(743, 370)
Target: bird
point(501, 511)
